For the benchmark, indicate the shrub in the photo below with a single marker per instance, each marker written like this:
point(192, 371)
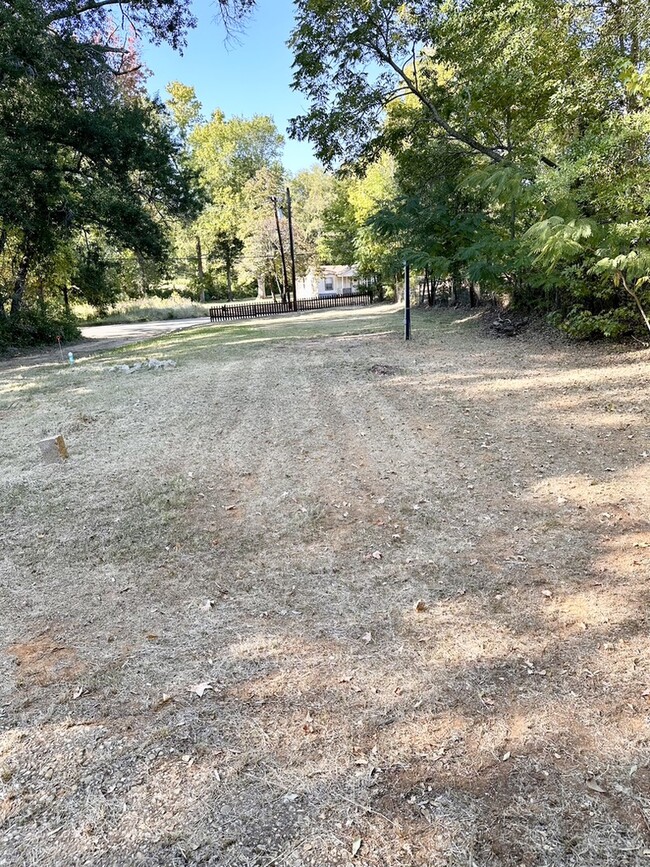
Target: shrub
point(584, 325)
point(34, 328)
point(145, 309)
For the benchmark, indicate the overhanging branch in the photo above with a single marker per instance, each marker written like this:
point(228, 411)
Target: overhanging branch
point(74, 11)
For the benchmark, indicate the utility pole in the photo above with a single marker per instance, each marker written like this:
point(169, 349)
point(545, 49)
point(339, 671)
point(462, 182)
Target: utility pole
point(281, 246)
point(407, 301)
point(293, 252)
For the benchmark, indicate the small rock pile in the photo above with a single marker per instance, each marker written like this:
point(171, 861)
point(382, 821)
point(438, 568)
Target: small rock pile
point(509, 327)
point(149, 364)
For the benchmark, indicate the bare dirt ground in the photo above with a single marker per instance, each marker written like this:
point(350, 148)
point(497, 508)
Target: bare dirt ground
point(258, 525)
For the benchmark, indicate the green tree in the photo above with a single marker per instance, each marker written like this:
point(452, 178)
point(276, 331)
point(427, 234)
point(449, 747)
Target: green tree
point(313, 192)
point(227, 155)
point(85, 149)
point(504, 118)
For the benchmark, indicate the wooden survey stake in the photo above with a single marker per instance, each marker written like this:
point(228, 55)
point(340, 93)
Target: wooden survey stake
point(54, 448)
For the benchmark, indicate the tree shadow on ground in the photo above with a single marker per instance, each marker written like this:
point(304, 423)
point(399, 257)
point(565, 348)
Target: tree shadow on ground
point(505, 724)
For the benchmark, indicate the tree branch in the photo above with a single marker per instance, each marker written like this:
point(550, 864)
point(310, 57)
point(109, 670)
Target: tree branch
point(494, 153)
point(74, 11)
point(636, 298)
point(118, 72)
point(469, 140)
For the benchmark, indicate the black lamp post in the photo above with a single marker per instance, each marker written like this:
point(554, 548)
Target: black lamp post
point(407, 301)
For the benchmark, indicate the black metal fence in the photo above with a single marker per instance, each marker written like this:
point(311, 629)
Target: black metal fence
point(269, 308)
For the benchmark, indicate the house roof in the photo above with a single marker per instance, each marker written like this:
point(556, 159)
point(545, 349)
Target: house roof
point(337, 270)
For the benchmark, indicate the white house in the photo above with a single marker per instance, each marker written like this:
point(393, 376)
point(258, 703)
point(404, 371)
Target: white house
point(327, 280)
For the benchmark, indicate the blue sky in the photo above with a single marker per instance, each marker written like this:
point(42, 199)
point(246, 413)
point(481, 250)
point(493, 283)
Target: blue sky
point(251, 76)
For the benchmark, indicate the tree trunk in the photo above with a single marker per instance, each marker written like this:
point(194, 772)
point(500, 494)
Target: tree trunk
point(41, 293)
point(144, 285)
point(229, 275)
point(3, 242)
point(199, 270)
point(431, 290)
point(473, 297)
point(632, 292)
point(277, 283)
point(19, 285)
point(399, 288)
point(261, 287)
point(229, 279)
point(66, 300)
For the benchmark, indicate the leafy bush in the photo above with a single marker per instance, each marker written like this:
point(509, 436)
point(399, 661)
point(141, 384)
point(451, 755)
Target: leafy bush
point(146, 309)
point(584, 325)
point(34, 328)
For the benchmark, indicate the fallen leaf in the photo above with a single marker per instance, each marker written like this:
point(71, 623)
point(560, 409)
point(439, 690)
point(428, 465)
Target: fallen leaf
point(356, 846)
point(547, 593)
point(367, 637)
point(230, 508)
point(377, 555)
point(79, 692)
point(207, 605)
point(596, 787)
point(200, 688)
point(421, 605)
point(505, 757)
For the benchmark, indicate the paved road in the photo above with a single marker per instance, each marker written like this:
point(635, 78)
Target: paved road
point(100, 337)
point(139, 330)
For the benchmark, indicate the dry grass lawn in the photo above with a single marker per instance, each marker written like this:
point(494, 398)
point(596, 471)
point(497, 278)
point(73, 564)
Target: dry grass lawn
point(258, 525)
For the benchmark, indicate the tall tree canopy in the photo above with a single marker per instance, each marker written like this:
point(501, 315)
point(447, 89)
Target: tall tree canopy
point(85, 149)
point(507, 80)
point(232, 158)
point(519, 130)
